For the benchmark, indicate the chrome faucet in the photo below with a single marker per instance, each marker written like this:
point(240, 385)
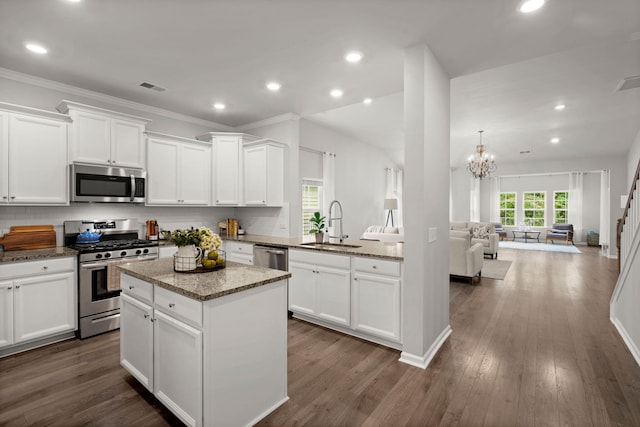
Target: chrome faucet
point(332, 218)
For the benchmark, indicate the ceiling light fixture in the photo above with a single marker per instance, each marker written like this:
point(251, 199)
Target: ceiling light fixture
point(367, 101)
point(353, 57)
point(36, 48)
point(274, 86)
point(219, 106)
point(336, 93)
point(531, 6)
point(481, 165)
point(560, 107)
point(555, 140)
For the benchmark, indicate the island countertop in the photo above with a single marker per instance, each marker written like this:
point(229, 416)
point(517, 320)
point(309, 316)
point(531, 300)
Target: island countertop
point(203, 286)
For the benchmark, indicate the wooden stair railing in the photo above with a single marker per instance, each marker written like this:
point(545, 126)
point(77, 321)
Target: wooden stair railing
point(625, 214)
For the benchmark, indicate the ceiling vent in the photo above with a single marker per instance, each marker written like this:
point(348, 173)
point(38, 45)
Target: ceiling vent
point(525, 152)
point(629, 83)
point(151, 86)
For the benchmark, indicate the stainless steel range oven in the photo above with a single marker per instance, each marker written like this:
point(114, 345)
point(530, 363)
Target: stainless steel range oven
point(101, 245)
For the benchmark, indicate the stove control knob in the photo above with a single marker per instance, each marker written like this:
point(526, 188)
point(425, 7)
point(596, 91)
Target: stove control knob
point(99, 256)
point(146, 251)
point(123, 253)
point(107, 255)
point(138, 252)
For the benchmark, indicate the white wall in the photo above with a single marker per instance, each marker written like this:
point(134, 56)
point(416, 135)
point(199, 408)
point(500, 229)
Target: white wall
point(617, 166)
point(632, 161)
point(360, 176)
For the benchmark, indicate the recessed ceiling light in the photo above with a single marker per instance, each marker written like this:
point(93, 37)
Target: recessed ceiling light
point(74, 1)
point(219, 106)
point(555, 140)
point(274, 86)
point(531, 6)
point(336, 93)
point(367, 100)
point(353, 56)
point(36, 48)
point(560, 107)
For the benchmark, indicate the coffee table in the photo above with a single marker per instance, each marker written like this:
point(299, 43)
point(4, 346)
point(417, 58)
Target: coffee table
point(526, 235)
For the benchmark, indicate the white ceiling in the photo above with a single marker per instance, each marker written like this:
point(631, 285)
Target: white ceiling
point(508, 69)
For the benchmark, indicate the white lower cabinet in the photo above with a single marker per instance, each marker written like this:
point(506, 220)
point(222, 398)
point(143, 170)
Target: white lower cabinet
point(136, 339)
point(356, 295)
point(320, 286)
point(239, 252)
point(177, 361)
point(38, 301)
point(6, 313)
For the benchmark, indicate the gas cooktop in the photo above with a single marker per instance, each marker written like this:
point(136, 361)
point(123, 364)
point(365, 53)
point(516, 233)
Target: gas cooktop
point(110, 245)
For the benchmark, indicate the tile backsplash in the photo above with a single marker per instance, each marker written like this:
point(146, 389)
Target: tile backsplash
point(265, 221)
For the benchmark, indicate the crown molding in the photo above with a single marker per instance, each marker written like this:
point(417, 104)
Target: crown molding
point(5, 106)
point(266, 122)
point(62, 87)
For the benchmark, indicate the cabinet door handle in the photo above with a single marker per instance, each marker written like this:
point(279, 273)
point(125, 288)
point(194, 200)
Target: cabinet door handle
point(45, 267)
point(375, 266)
point(13, 197)
point(152, 320)
point(355, 278)
point(17, 286)
point(146, 316)
point(171, 305)
point(9, 288)
point(5, 197)
point(131, 288)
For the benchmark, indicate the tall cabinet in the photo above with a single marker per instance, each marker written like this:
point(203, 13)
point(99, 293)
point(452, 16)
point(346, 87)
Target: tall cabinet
point(105, 137)
point(33, 140)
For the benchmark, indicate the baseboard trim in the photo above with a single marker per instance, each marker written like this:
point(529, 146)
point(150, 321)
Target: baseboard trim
point(635, 352)
point(423, 361)
point(268, 411)
point(41, 342)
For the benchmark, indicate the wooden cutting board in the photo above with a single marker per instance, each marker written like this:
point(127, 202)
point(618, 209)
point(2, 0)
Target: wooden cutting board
point(21, 237)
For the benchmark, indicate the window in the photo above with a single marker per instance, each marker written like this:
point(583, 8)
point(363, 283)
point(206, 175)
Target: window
point(311, 202)
point(560, 207)
point(508, 209)
point(534, 208)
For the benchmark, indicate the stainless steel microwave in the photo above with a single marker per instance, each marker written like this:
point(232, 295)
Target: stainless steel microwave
point(91, 183)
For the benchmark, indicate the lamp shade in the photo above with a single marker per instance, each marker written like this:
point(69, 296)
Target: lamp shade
point(391, 203)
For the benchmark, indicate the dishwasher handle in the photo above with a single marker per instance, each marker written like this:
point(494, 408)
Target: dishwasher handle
point(274, 251)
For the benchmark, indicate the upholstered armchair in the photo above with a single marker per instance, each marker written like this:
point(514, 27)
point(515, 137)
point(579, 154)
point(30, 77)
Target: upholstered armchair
point(465, 259)
point(562, 232)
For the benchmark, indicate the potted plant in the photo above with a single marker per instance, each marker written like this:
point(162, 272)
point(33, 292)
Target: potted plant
point(317, 226)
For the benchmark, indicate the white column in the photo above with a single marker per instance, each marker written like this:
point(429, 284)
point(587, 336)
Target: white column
point(426, 249)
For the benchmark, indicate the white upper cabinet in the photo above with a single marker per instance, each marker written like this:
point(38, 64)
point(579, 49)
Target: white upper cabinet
point(248, 170)
point(105, 137)
point(264, 174)
point(178, 172)
point(33, 156)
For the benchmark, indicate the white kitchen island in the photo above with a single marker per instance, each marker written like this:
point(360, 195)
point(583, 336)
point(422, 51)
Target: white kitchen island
point(212, 347)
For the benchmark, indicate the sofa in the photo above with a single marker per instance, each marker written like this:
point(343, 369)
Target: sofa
point(480, 232)
point(465, 258)
point(384, 234)
point(562, 232)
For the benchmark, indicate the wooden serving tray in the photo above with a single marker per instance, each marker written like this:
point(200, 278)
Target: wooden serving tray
point(24, 237)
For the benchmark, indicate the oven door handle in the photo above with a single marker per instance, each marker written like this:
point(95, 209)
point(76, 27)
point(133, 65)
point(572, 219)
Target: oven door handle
point(93, 266)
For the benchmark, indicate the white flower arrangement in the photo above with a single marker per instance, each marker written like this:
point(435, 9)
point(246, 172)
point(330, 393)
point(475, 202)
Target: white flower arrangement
point(201, 237)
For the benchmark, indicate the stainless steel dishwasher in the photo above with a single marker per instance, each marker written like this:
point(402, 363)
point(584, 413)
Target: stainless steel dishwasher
point(270, 257)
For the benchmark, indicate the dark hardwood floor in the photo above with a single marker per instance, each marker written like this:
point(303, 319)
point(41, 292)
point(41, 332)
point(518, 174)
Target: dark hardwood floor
point(534, 349)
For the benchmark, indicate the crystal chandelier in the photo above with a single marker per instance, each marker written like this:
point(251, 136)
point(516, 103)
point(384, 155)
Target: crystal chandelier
point(481, 165)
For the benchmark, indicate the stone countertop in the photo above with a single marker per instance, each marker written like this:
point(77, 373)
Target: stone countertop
point(36, 254)
point(366, 248)
point(203, 286)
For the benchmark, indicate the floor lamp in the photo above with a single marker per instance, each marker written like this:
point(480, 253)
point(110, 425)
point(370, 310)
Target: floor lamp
point(390, 204)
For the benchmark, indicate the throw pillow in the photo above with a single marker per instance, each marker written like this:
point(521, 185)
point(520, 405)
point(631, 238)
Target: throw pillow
point(481, 232)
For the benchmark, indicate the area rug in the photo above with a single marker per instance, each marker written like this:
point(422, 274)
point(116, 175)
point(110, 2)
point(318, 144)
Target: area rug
point(540, 247)
point(495, 268)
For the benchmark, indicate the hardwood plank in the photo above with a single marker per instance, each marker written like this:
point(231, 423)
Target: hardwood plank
point(534, 349)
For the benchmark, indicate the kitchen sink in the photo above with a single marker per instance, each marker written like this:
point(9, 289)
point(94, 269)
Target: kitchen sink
point(329, 245)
